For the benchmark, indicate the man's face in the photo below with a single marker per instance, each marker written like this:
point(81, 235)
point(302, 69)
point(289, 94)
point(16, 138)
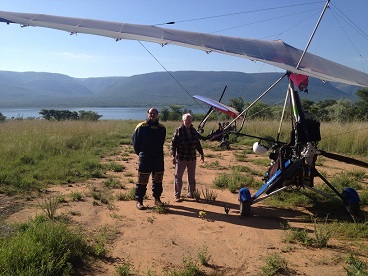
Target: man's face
point(152, 114)
point(187, 121)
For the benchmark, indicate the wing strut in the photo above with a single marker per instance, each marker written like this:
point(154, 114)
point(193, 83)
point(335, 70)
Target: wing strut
point(313, 33)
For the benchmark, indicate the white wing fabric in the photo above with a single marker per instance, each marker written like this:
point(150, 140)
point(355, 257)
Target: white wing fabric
point(232, 112)
point(274, 52)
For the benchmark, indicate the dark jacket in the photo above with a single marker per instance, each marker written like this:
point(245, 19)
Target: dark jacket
point(184, 147)
point(148, 139)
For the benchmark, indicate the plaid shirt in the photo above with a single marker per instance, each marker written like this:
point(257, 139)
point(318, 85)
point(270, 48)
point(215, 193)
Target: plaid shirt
point(183, 146)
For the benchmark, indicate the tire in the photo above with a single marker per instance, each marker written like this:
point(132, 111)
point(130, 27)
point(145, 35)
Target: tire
point(245, 208)
point(225, 145)
point(353, 209)
point(352, 201)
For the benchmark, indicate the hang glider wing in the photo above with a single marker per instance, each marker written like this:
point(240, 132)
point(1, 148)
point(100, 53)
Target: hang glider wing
point(232, 112)
point(274, 52)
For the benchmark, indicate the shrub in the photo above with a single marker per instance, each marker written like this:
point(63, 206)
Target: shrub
point(42, 247)
point(275, 265)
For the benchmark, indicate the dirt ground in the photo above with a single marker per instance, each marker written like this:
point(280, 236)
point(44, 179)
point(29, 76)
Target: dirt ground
point(153, 242)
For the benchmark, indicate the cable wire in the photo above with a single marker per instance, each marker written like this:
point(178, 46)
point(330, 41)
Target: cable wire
point(171, 75)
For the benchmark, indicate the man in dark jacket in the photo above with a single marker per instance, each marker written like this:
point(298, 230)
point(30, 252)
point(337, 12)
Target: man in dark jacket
point(148, 141)
point(184, 146)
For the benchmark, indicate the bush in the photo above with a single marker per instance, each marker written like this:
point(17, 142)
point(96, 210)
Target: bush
point(42, 247)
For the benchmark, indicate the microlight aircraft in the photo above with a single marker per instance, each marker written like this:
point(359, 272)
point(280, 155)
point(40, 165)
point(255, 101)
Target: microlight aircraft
point(293, 162)
point(223, 131)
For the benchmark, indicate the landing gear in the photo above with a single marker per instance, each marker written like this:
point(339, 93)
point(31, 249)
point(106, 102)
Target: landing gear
point(245, 202)
point(245, 208)
point(352, 201)
point(225, 145)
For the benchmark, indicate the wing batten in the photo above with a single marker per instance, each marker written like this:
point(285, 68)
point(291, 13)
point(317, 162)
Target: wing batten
point(274, 52)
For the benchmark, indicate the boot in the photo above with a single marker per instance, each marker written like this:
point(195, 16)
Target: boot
point(140, 205)
point(158, 202)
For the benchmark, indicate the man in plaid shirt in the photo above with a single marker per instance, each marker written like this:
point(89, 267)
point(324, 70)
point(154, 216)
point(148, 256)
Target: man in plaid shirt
point(184, 146)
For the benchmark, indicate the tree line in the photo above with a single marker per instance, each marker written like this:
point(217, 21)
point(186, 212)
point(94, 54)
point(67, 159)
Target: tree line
point(63, 115)
point(323, 111)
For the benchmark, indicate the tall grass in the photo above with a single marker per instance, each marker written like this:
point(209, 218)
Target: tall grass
point(345, 138)
point(35, 153)
point(43, 247)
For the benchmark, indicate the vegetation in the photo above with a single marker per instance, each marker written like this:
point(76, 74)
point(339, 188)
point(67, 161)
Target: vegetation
point(234, 181)
point(355, 266)
point(322, 234)
point(324, 111)
point(174, 114)
point(62, 115)
point(38, 153)
point(43, 247)
point(275, 265)
point(339, 111)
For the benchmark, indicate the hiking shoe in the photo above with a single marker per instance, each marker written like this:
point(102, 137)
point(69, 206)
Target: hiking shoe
point(178, 199)
point(158, 202)
point(190, 196)
point(140, 206)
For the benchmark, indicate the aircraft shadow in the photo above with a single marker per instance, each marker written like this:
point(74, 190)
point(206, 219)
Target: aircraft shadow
point(261, 216)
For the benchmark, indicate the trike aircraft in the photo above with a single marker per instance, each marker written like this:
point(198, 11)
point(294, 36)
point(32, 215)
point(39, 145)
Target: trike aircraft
point(293, 163)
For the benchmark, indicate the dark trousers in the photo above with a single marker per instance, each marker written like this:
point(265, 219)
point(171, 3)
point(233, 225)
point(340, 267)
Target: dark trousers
point(149, 166)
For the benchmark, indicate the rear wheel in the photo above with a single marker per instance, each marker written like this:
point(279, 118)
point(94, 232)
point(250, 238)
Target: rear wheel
point(225, 145)
point(352, 201)
point(245, 208)
point(353, 209)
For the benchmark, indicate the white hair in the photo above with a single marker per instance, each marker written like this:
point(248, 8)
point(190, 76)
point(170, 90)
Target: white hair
point(186, 115)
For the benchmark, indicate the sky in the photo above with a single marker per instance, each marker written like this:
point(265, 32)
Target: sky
point(342, 35)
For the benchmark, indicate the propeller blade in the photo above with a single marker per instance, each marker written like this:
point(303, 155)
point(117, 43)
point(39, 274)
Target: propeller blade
point(344, 159)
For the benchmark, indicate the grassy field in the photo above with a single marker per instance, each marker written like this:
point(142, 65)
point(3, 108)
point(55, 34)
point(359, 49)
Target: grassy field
point(38, 153)
point(35, 153)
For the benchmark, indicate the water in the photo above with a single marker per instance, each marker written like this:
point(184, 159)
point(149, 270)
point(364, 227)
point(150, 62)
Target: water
point(108, 113)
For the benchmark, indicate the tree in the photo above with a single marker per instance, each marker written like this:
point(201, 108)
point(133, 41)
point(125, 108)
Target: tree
point(62, 115)
point(361, 107)
point(319, 110)
point(306, 104)
point(45, 114)
point(164, 114)
point(175, 113)
point(363, 95)
point(2, 117)
point(260, 110)
point(89, 115)
point(342, 111)
point(237, 103)
point(361, 111)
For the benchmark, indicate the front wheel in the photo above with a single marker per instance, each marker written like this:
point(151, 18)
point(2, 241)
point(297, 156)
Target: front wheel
point(245, 208)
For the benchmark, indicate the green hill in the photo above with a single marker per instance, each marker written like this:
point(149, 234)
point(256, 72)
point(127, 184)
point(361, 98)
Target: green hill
point(32, 89)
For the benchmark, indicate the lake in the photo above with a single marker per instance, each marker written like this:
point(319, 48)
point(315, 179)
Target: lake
point(108, 113)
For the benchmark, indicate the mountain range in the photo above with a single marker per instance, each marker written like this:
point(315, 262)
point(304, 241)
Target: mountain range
point(44, 90)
